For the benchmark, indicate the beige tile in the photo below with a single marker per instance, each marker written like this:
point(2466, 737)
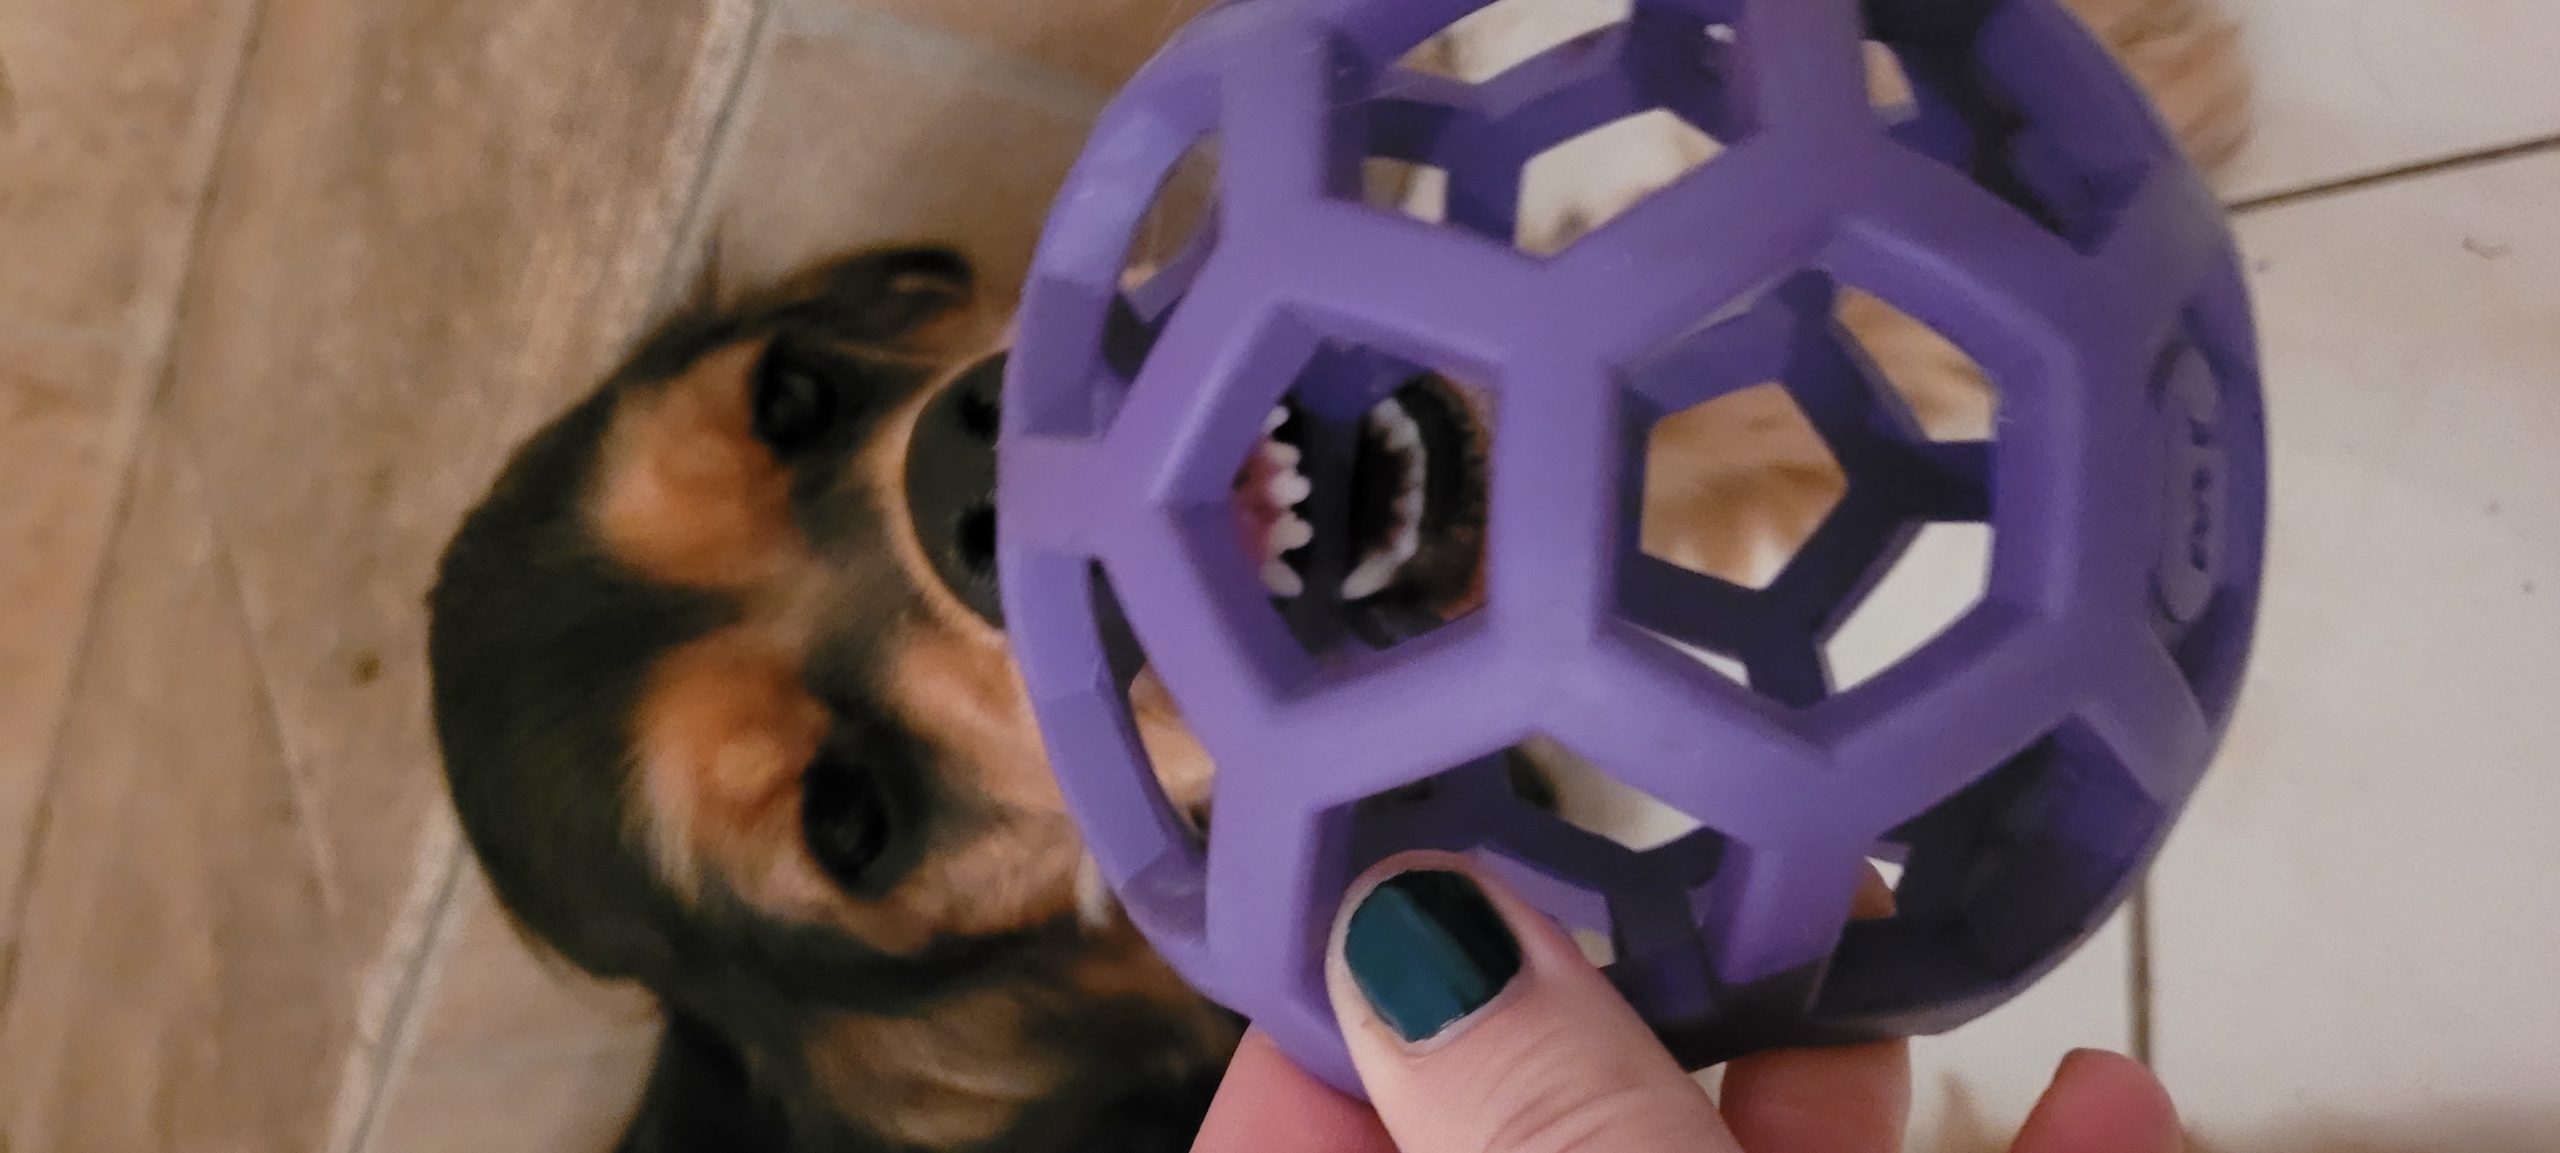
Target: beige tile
point(437, 223)
point(66, 423)
point(493, 991)
point(1972, 1088)
point(1098, 41)
point(2351, 87)
point(925, 154)
point(110, 115)
point(177, 983)
point(564, 1101)
point(2356, 922)
point(515, 1053)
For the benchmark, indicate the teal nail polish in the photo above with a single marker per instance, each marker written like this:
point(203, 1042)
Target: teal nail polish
point(1426, 949)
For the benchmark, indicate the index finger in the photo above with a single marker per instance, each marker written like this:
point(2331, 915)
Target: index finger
point(1268, 1105)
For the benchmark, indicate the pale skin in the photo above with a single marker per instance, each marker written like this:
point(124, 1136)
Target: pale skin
point(1557, 1063)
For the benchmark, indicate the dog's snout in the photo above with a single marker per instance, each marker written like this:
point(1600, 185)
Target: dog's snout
point(951, 484)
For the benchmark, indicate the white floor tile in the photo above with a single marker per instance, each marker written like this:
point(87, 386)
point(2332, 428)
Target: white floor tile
point(2352, 87)
point(1972, 1087)
point(2357, 923)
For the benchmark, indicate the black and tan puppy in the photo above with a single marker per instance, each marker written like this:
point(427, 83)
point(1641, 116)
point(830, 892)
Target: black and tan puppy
point(717, 722)
point(725, 714)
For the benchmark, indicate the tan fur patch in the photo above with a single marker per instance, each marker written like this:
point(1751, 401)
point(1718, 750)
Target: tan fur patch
point(2186, 55)
point(1735, 486)
point(722, 734)
point(1182, 766)
point(725, 732)
point(955, 1076)
point(688, 495)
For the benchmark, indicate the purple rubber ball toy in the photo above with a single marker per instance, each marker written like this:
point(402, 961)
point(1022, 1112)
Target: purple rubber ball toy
point(2020, 768)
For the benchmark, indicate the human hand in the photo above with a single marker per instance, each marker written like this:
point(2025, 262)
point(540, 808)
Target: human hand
point(1478, 1027)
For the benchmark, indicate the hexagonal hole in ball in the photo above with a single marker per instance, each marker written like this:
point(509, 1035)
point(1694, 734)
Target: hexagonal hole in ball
point(2060, 143)
point(1170, 244)
point(1734, 486)
point(1561, 830)
point(1792, 448)
point(1518, 123)
point(2005, 872)
point(1365, 518)
point(1179, 767)
point(1503, 35)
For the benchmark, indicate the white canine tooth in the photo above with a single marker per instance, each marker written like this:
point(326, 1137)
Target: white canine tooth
point(1281, 454)
point(1281, 579)
point(1370, 578)
point(1408, 542)
point(1279, 416)
point(1291, 532)
point(1409, 507)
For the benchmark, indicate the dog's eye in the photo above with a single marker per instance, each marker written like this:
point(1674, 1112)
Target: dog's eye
point(795, 402)
point(844, 817)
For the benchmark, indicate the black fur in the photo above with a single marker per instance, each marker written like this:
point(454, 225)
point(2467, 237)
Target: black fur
point(540, 645)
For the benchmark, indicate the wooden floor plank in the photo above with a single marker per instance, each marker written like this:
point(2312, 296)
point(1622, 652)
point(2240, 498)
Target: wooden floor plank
point(177, 983)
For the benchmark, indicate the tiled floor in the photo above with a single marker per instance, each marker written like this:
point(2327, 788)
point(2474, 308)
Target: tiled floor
point(283, 278)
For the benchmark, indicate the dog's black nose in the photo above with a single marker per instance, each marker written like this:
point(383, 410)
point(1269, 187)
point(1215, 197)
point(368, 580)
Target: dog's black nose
point(951, 484)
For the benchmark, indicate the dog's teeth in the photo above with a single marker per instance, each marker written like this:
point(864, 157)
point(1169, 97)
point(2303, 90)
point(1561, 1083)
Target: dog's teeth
point(1409, 507)
point(1282, 580)
point(1370, 578)
point(1394, 425)
point(1279, 416)
point(1282, 455)
point(1288, 488)
point(1408, 542)
point(1292, 532)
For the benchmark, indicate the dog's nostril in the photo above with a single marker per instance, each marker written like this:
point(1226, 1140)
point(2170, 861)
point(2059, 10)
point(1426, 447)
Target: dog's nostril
point(976, 538)
point(980, 413)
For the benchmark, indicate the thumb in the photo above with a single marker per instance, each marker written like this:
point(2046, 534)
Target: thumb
point(2102, 1103)
point(1478, 1027)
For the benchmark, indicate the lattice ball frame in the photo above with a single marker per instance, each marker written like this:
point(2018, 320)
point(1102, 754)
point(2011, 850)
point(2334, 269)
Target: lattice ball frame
point(2023, 766)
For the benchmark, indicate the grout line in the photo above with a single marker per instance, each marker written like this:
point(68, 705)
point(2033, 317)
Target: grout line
point(421, 933)
point(311, 818)
point(220, 120)
point(366, 1084)
point(938, 52)
point(2424, 168)
point(2139, 988)
point(696, 237)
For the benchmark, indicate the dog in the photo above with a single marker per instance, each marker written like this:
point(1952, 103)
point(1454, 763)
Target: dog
point(723, 715)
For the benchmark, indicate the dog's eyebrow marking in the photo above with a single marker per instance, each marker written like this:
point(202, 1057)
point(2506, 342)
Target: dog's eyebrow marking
point(687, 495)
point(721, 736)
